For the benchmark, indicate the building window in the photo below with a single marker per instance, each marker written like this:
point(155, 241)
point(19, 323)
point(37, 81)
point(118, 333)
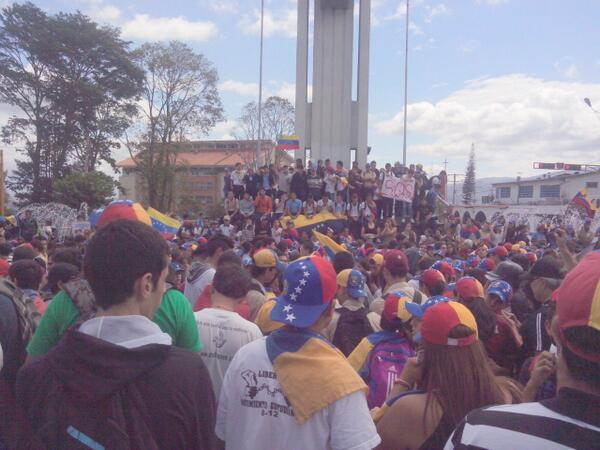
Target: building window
point(550, 191)
point(525, 191)
point(591, 184)
point(503, 192)
point(204, 200)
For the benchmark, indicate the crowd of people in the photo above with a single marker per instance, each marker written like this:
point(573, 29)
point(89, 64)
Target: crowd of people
point(406, 329)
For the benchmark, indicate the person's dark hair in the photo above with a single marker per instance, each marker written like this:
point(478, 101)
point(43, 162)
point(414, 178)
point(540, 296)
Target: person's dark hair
point(5, 249)
point(437, 289)
point(426, 262)
point(61, 272)
point(521, 260)
point(342, 261)
point(478, 274)
point(588, 340)
point(26, 273)
point(23, 252)
point(218, 242)
point(37, 245)
point(484, 317)
point(118, 255)
point(229, 257)
point(246, 246)
point(232, 281)
point(68, 255)
point(307, 245)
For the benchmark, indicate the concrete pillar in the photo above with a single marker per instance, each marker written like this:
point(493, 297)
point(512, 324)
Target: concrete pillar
point(333, 124)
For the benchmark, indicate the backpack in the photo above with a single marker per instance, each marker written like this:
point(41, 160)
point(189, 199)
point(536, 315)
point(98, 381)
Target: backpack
point(27, 314)
point(117, 422)
point(80, 293)
point(383, 367)
point(351, 328)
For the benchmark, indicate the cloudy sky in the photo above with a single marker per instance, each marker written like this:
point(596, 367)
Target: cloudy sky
point(507, 75)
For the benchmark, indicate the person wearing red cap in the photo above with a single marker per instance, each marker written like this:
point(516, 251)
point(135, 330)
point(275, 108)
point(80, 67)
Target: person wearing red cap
point(498, 254)
point(571, 419)
point(432, 282)
point(452, 376)
point(469, 292)
point(395, 271)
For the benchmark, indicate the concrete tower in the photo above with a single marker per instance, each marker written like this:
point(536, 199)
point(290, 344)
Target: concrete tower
point(333, 124)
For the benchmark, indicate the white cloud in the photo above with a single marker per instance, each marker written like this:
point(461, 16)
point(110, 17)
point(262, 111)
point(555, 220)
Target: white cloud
point(146, 28)
point(415, 29)
point(513, 120)
point(105, 13)
point(240, 88)
point(225, 128)
point(221, 6)
point(280, 23)
point(567, 68)
point(437, 10)
point(399, 12)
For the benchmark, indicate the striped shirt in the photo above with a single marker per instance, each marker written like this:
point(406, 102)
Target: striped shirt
point(571, 420)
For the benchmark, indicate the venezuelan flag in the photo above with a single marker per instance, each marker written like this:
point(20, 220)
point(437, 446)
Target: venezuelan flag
point(288, 143)
point(329, 245)
point(319, 222)
point(300, 355)
point(162, 222)
point(581, 199)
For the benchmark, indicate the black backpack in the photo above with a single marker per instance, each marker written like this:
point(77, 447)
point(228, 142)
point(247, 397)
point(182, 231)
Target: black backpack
point(351, 328)
point(118, 422)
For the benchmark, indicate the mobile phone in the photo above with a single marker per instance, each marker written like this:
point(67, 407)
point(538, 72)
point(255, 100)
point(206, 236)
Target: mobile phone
point(420, 356)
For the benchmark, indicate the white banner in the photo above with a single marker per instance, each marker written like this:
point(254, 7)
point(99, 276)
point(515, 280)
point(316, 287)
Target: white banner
point(398, 189)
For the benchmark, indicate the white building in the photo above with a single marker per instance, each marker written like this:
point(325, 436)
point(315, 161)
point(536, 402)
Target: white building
point(557, 188)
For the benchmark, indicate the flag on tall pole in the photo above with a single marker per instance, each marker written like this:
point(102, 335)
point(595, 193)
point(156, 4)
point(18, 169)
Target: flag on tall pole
point(288, 143)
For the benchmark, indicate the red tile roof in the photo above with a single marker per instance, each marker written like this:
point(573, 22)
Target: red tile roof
point(211, 153)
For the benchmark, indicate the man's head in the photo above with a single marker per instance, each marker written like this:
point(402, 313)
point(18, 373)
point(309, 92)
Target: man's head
point(293, 195)
point(261, 192)
point(126, 262)
point(310, 287)
point(432, 282)
point(26, 274)
point(576, 326)
point(215, 247)
point(230, 283)
point(351, 285)
point(266, 266)
point(395, 266)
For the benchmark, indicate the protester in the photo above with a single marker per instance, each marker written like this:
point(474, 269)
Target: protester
point(351, 320)
point(569, 420)
point(451, 376)
point(124, 356)
point(223, 330)
point(267, 403)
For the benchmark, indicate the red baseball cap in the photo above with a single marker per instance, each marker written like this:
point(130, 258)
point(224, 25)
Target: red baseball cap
point(395, 306)
point(500, 251)
point(395, 260)
point(468, 288)
point(578, 302)
point(442, 318)
point(431, 277)
point(508, 246)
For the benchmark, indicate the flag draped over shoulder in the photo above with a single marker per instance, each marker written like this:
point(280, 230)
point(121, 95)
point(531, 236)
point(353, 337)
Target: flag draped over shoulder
point(581, 199)
point(313, 374)
point(162, 222)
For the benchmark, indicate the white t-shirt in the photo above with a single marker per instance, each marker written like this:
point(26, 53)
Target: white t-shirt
point(193, 290)
point(222, 333)
point(254, 414)
point(226, 230)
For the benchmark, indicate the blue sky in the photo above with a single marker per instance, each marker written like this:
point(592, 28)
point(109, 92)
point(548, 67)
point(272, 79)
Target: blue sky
point(506, 75)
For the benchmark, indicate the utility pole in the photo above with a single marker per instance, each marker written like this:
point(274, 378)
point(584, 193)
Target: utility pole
point(405, 85)
point(445, 164)
point(260, 77)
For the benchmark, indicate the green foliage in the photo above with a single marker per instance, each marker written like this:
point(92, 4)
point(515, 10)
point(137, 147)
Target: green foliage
point(469, 183)
point(180, 97)
point(74, 86)
point(93, 188)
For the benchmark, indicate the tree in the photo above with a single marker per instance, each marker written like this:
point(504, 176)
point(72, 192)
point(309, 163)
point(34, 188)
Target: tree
point(469, 183)
point(180, 97)
point(277, 119)
point(75, 86)
point(93, 188)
